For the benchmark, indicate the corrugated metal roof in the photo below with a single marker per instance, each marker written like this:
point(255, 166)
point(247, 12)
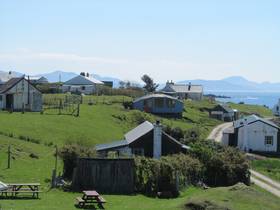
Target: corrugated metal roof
point(114, 144)
point(139, 131)
point(183, 88)
point(11, 83)
point(252, 119)
point(157, 96)
point(81, 80)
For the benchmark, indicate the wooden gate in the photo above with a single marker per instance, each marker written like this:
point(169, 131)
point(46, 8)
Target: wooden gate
point(113, 176)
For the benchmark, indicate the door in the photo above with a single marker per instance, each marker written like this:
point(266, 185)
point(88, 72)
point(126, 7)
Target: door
point(9, 101)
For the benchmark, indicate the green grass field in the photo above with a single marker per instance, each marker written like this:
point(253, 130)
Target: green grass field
point(246, 109)
point(269, 167)
point(27, 169)
point(97, 124)
point(104, 122)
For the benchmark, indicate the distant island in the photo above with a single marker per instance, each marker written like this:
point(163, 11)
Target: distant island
point(216, 96)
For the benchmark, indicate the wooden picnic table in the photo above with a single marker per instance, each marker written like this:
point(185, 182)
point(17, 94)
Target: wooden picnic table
point(90, 197)
point(16, 188)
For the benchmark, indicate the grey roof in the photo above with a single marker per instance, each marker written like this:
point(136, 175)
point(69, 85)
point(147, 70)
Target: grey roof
point(139, 131)
point(182, 88)
point(252, 119)
point(82, 80)
point(225, 107)
point(157, 95)
point(9, 84)
point(114, 144)
point(133, 135)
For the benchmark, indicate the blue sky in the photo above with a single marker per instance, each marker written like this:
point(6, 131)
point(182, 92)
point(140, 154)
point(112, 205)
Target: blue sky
point(166, 39)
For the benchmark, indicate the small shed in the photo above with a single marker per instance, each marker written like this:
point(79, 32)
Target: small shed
point(19, 94)
point(224, 112)
point(159, 104)
point(147, 139)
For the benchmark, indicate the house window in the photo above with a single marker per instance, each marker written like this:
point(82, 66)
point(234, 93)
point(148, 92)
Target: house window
point(1, 98)
point(268, 140)
point(159, 102)
point(170, 103)
point(83, 87)
point(138, 151)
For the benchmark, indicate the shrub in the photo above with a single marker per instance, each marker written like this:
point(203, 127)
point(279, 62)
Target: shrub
point(223, 166)
point(70, 154)
point(166, 174)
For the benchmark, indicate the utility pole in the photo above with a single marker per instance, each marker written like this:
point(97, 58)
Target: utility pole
point(9, 156)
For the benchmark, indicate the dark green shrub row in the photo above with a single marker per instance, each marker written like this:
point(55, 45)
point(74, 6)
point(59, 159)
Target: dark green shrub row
point(166, 174)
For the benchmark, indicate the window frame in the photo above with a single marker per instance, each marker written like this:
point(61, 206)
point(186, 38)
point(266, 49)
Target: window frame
point(268, 140)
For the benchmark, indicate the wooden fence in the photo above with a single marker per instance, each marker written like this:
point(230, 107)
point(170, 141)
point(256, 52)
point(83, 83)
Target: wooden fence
point(112, 176)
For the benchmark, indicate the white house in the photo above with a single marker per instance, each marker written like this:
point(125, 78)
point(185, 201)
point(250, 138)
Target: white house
point(183, 91)
point(82, 84)
point(253, 133)
point(18, 94)
point(276, 109)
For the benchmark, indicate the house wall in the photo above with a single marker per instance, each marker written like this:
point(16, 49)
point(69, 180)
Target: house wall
point(177, 109)
point(256, 137)
point(86, 89)
point(20, 97)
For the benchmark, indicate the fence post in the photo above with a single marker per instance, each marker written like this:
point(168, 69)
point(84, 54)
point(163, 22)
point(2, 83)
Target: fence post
point(9, 156)
point(78, 111)
point(60, 106)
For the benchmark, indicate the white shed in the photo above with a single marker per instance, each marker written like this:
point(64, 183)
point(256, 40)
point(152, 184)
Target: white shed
point(253, 133)
point(18, 94)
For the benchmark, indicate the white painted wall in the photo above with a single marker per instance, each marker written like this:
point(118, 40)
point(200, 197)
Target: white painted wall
point(256, 133)
point(88, 89)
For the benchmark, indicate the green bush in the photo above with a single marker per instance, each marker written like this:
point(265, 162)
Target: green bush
point(70, 154)
point(166, 174)
point(223, 166)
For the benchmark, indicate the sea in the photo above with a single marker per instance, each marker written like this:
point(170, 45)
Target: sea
point(256, 98)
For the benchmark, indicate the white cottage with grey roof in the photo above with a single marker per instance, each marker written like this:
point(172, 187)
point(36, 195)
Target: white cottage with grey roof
point(253, 133)
point(183, 91)
point(82, 84)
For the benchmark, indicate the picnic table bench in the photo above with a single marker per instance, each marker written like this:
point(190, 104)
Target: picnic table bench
point(22, 188)
point(90, 197)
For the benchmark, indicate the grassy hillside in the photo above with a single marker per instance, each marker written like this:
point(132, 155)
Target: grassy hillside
point(269, 167)
point(246, 109)
point(27, 169)
point(103, 122)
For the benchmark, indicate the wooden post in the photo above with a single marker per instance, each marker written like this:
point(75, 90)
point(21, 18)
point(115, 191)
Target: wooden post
point(56, 157)
point(78, 111)
point(22, 108)
point(60, 106)
point(9, 156)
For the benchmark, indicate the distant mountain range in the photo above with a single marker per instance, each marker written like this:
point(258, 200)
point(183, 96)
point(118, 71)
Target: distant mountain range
point(235, 83)
point(64, 76)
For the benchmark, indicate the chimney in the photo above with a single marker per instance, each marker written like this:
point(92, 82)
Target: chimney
point(245, 136)
point(157, 140)
point(189, 87)
point(87, 74)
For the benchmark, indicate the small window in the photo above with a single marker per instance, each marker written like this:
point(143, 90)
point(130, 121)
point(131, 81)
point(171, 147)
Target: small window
point(138, 151)
point(1, 97)
point(159, 102)
point(170, 103)
point(83, 87)
point(268, 140)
